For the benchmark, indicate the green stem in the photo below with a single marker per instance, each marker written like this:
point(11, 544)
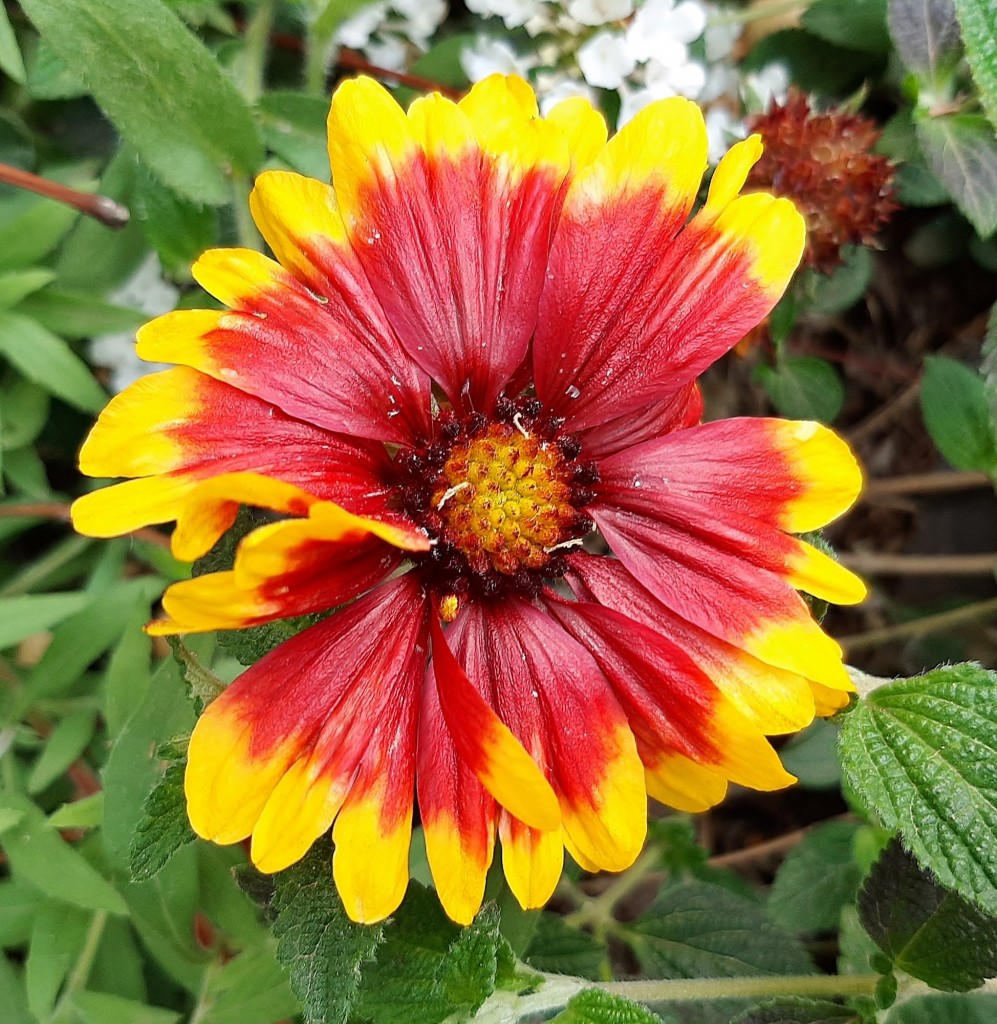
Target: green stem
point(80, 974)
point(257, 49)
point(597, 913)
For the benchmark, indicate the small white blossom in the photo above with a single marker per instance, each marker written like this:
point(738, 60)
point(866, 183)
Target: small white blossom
point(355, 32)
point(684, 79)
point(553, 87)
point(387, 52)
point(762, 87)
point(662, 30)
point(599, 12)
point(722, 130)
point(514, 13)
point(489, 56)
point(605, 60)
point(422, 18)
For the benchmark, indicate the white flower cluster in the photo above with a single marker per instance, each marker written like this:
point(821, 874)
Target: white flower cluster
point(386, 31)
point(644, 51)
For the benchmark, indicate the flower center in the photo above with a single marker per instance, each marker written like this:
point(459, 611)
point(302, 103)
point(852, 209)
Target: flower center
point(499, 498)
point(504, 498)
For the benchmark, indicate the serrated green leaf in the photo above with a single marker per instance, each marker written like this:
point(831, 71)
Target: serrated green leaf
point(159, 86)
point(921, 753)
point(204, 686)
point(428, 968)
point(946, 1009)
point(57, 936)
point(86, 812)
point(67, 741)
point(24, 408)
point(926, 34)
point(294, 127)
point(854, 24)
point(797, 1011)
point(46, 359)
point(38, 855)
point(989, 369)
point(21, 617)
point(164, 827)
point(103, 1008)
point(321, 948)
point(961, 151)
point(929, 932)
point(10, 54)
point(817, 879)
point(804, 387)
point(978, 20)
point(954, 406)
point(704, 931)
point(595, 1007)
point(558, 948)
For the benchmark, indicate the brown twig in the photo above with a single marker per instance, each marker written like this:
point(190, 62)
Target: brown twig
point(357, 62)
point(920, 627)
point(58, 510)
point(884, 416)
point(925, 483)
point(872, 564)
point(108, 211)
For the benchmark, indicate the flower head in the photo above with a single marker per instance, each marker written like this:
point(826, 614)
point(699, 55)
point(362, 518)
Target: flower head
point(825, 163)
point(474, 349)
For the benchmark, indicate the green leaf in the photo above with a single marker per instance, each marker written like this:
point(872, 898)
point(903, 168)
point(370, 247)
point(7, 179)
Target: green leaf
point(427, 968)
point(804, 387)
point(558, 948)
point(929, 932)
point(962, 152)
point(921, 753)
point(321, 948)
point(67, 741)
point(84, 813)
point(294, 127)
point(942, 1009)
point(595, 1007)
point(797, 1011)
point(40, 856)
point(704, 931)
point(817, 879)
point(103, 1008)
point(840, 290)
point(812, 756)
point(989, 369)
point(57, 936)
point(252, 988)
point(46, 359)
point(79, 315)
point(814, 64)
point(954, 406)
point(20, 904)
point(12, 996)
point(49, 78)
point(25, 470)
point(925, 33)
point(978, 19)
point(30, 235)
point(164, 827)
point(23, 412)
point(10, 55)
point(854, 24)
point(22, 617)
point(160, 87)
point(178, 229)
point(17, 284)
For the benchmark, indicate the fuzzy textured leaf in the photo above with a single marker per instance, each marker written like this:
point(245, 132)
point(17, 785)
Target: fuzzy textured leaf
point(160, 87)
point(989, 369)
point(164, 827)
point(703, 931)
point(804, 387)
point(947, 1009)
point(428, 968)
point(595, 1007)
point(921, 753)
point(558, 948)
point(797, 1011)
point(978, 19)
point(318, 944)
point(962, 153)
point(816, 880)
point(927, 931)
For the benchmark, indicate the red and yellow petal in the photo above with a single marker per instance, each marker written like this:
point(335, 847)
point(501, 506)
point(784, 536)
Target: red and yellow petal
point(635, 308)
point(289, 568)
point(458, 814)
point(326, 719)
point(532, 861)
point(450, 209)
